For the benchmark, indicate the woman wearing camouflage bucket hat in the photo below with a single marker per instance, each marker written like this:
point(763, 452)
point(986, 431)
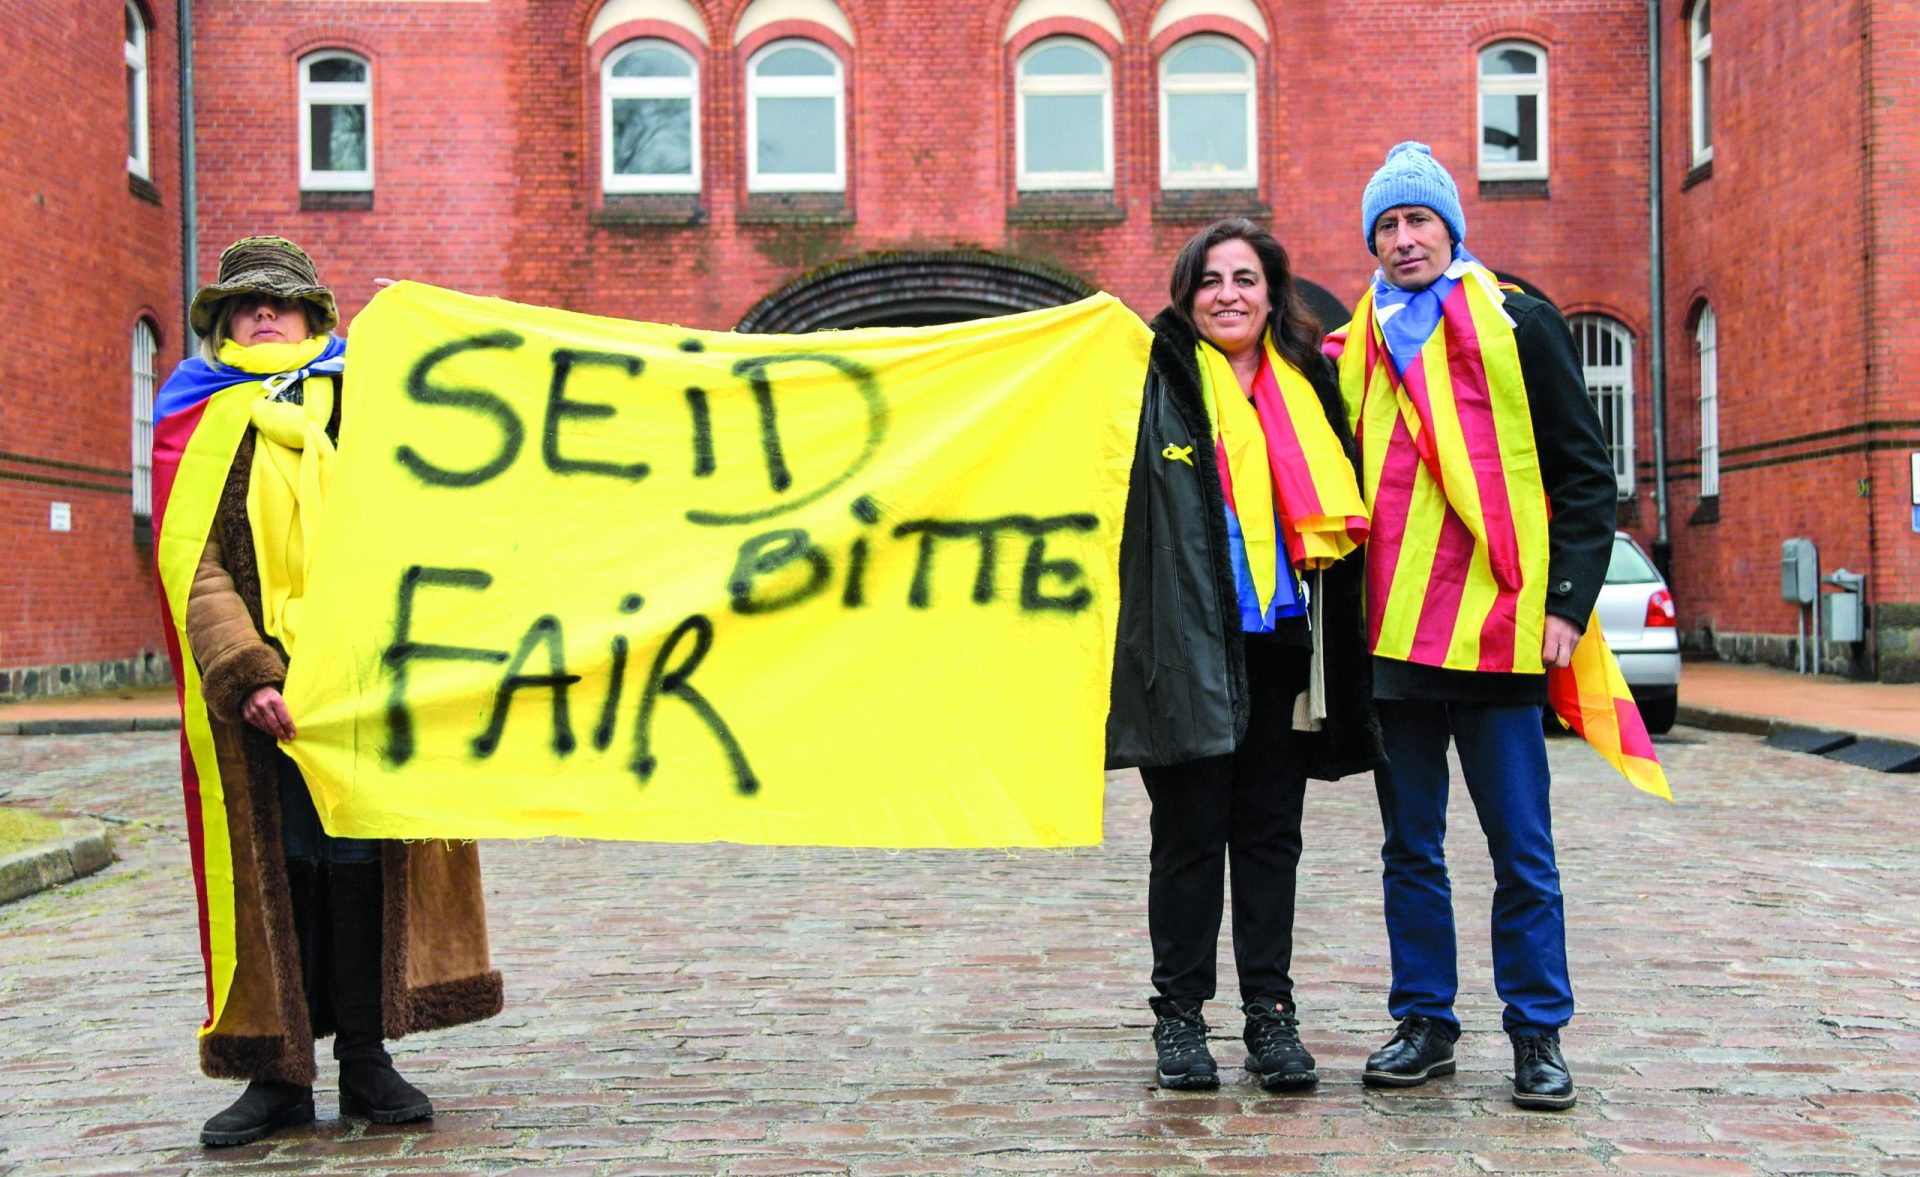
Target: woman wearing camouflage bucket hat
point(302, 934)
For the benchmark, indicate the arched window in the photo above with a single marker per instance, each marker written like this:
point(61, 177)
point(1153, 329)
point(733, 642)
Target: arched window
point(1700, 42)
point(1207, 115)
point(146, 374)
point(1063, 122)
point(796, 119)
point(336, 122)
point(136, 51)
point(1513, 112)
point(1706, 338)
point(1606, 359)
point(650, 119)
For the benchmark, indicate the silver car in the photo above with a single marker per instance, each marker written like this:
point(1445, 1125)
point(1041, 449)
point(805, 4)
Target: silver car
point(1637, 617)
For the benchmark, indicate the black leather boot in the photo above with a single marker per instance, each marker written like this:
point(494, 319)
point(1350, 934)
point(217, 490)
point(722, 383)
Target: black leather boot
point(369, 1086)
point(1180, 1037)
point(263, 1107)
point(1421, 1048)
point(1540, 1075)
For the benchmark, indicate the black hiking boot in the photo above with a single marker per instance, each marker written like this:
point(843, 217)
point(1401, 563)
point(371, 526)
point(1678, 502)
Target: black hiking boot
point(1274, 1050)
point(1180, 1037)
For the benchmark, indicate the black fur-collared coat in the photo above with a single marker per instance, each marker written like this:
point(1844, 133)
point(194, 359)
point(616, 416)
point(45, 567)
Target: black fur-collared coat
point(1179, 673)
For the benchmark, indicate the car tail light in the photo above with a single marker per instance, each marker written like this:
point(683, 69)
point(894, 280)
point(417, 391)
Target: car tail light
point(1660, 609)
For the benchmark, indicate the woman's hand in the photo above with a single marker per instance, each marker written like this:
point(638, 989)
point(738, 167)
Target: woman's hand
point(266, 710)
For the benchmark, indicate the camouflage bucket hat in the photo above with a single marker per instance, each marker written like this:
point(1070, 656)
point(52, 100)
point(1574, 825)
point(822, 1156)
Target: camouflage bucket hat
point(263, 265)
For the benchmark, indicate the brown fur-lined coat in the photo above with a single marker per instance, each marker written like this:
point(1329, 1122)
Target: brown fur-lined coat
point(435, 963)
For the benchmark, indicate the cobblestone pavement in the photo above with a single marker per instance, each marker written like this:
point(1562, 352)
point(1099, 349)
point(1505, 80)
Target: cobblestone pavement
point(1747, 965)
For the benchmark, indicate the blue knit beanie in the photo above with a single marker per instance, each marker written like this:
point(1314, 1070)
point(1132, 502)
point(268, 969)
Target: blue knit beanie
point(1412, 176)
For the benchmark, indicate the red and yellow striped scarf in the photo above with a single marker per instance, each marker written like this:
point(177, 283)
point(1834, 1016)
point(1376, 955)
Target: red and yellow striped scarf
point(1281, 467)
point(1457, 562)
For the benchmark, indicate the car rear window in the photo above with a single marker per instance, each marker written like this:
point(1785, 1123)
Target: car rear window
point(1629, 566)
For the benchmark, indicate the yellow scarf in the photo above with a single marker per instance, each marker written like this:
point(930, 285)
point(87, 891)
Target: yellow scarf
point(1241, 447)
point(1278, 439)
point(292, 472)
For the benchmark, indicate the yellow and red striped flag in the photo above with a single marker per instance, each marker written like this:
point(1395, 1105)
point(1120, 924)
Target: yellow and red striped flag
point(1591, 697)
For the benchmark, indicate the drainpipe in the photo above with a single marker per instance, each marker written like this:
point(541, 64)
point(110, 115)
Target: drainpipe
point(189, 190)
point(1869, 306)
point(1656, 310)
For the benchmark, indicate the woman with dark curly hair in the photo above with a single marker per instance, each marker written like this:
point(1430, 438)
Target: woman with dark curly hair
point(1241, 669)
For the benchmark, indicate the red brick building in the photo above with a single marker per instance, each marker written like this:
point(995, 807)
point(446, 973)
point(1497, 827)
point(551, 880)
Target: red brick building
point(792, 164)
point(91, 273)
point(1789, 197)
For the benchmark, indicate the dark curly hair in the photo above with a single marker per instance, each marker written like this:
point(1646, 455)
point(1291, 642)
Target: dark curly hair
point(1295, 331)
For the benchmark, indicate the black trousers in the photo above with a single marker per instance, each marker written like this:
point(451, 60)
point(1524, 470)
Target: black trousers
point(336, 890)
point(1245, 807)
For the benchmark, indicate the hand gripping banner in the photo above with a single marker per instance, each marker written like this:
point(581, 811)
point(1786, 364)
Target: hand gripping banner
point(620, 580)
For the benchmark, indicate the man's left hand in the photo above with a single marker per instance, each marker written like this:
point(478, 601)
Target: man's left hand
point(1562, 637)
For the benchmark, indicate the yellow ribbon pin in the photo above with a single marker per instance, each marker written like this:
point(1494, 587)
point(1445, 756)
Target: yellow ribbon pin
point(1178, 453)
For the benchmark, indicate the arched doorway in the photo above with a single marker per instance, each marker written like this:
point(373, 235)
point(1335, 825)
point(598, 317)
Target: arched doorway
point(1322, 305)
point(911, 290)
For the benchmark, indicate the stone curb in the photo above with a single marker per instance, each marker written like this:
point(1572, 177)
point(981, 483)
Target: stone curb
point(1716, 719)
point(1719, 720)
point(89, 725)
point(73, 857)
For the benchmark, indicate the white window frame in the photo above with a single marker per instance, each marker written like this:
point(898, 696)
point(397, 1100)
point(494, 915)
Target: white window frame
point(1700, 77)
point(834, 87)
point(146, 377)
point(314, 94)
point(1706, 338)
point(1248, 84)
point(1512, 85)
point(612, 88)
point(139, 145)
point(1611, 387)
point(1023, 87)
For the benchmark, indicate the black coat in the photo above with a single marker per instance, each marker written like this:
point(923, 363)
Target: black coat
point(1179, 670)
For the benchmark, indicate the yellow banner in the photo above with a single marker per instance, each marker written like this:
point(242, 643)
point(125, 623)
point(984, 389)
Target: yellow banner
point(620, 580)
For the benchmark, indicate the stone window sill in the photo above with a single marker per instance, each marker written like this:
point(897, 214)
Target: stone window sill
point(650, 208)
point(1708, 511)
point(1066, 208)
point(1208, 204)
point(316, 201)
point(144, 188)
point(1696, 174)
point(796, 208)
point(1513, 190)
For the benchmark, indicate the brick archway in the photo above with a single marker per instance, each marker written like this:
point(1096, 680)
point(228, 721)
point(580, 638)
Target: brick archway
point(911, 290)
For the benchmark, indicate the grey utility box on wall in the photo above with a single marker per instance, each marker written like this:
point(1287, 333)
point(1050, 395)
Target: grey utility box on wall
point(1799, 571)
point(1841, 616)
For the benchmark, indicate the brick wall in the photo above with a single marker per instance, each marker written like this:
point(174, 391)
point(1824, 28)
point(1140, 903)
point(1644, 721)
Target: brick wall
point(84, 256)
point(488, 162)
point(1893, 270)
point(1774, 235)
point(486, 129)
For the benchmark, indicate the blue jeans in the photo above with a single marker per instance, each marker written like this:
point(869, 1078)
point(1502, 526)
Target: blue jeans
point(1504, 758)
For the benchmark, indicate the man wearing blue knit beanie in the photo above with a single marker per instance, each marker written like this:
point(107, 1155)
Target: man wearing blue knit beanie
point(1492, 502)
